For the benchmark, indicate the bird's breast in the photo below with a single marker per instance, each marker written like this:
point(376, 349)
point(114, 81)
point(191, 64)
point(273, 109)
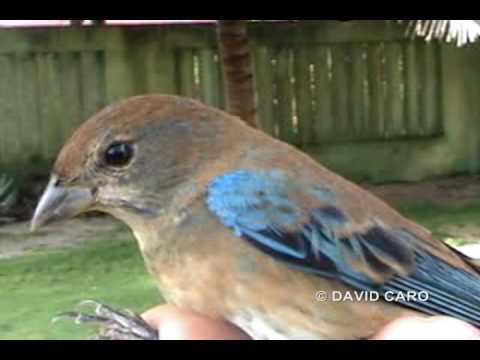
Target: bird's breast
point(201, 265)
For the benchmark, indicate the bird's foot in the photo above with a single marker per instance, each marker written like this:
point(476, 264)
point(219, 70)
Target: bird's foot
point(114, 324)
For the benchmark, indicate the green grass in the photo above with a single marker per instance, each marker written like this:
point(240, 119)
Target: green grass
point(36, 287)
point(433, 217)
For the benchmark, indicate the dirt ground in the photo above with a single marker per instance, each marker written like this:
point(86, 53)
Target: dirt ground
point(15, 238)
point(455, 191)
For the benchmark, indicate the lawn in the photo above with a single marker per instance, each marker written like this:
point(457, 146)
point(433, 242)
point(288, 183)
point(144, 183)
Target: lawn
point(455, 225)
point(36, 287)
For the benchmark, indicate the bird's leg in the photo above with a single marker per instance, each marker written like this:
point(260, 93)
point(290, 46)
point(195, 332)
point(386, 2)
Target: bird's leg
point(115, 324)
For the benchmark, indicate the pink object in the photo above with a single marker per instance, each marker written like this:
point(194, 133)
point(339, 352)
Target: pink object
point(56, 23)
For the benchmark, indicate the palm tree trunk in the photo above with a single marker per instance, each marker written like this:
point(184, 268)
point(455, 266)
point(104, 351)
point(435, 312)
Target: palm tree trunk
point(237, 69)
point(76, 23)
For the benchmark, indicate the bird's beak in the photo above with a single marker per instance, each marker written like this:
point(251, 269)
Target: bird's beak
point(60, 202)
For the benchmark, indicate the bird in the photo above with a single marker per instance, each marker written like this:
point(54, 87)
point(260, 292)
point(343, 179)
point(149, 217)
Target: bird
point(237, 225)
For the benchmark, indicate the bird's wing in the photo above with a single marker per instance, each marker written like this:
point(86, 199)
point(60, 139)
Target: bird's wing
point(304, 226)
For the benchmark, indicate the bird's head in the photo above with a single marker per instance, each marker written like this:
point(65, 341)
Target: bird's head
point(128, 159)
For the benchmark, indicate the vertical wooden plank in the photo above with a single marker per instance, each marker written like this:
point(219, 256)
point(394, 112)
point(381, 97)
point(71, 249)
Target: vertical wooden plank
point(366, 111)
point(421, 91)
point(101, 85)
point(41, 89)
point(220, 82)
point(341, 62)
point(56, 112)
point(208, 93)
point(147, 67)
point(324, 121)
point(215, 83)
point(375, 86)
point(196, 75)
point(165, 70)
point(71, 90)
point(431, 111)
point(49, 95)
point(283, 109)
point(394, 102)
point(119, 75)
point(411, 89)
point(158, 60)
point(4, 120)
point(28, 127)
point(303, 95)
point(357, 96)
point(9, 144)
point(185, 72)
point(264, 88)
point(88, 70)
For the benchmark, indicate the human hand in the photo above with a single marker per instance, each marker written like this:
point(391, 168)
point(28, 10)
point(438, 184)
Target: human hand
point(176, 324)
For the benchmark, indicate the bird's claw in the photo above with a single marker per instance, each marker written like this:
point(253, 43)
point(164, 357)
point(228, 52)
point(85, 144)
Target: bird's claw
point(78, 317)
point(115, 324)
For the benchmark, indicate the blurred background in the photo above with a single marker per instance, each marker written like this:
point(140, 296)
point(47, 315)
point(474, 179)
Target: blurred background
point(368, 99)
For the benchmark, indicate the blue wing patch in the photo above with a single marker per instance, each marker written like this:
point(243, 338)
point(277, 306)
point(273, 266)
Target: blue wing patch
point(261, 207)
point(261, 193)
point(255, 205)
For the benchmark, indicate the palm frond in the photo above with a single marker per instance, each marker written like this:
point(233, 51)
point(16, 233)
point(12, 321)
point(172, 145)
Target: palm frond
point(8, 193)
point(461, 32)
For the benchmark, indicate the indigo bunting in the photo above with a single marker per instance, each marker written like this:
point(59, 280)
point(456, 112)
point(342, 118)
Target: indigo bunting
point(237, 225)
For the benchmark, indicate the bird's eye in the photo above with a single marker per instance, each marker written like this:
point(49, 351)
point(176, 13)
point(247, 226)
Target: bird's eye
point(119, 154)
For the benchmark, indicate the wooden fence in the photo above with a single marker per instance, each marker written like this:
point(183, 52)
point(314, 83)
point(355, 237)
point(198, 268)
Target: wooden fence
point(318, 82)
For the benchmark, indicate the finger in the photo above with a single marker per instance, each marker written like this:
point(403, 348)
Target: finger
point(176, 324)
point(431, 328)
